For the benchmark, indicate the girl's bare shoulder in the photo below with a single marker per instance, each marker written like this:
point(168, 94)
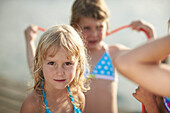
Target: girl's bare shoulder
point(115, 50)
point(31, 103)
point(117, 47)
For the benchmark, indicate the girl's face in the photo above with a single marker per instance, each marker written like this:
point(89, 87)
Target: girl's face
point(59, 71)
point(94, 31)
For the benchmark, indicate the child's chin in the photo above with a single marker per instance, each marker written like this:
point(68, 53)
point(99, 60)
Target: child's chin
point(60, 87)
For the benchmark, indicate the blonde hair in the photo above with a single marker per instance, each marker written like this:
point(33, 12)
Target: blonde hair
point(65, 37)
point(96, 9)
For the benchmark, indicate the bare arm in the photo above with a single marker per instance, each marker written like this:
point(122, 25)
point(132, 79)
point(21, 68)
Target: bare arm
point(30, 104)
point(138, 25)
point(148, 99)
point(142, 66)
point(30, 36)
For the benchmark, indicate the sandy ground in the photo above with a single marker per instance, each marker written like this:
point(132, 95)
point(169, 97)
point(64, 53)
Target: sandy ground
point(12, 94)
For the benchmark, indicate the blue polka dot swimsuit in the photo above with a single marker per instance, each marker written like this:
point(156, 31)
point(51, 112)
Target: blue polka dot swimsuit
point(103, 69)
point(76, 110)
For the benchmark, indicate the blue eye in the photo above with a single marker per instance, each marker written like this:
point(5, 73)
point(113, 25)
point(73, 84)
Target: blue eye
point(51, 63)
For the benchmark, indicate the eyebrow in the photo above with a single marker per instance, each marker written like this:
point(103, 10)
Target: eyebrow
point(68, 59)
point(47, 60)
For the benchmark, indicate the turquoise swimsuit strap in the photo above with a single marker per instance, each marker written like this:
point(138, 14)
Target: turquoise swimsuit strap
point(45, 100)
point(71, 97)
point(76, 110)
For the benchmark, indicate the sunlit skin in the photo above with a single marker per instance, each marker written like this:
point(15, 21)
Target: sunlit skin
point(93, 31)
point(58, 70)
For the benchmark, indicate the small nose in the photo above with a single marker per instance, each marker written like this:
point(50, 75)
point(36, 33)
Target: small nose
point(94, 33)
point(59, 70)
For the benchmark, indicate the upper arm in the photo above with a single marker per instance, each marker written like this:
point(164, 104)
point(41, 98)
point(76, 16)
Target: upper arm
point(29, 105)
point(26, 107)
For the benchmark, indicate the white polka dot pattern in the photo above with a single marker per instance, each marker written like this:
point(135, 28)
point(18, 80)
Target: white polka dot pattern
point(104, 67)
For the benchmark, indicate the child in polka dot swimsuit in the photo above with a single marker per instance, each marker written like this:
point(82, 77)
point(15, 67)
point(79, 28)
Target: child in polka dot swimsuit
point(103, 69)
point(92, 18)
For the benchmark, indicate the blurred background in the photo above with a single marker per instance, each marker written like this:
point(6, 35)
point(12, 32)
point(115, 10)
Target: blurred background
point(17, 15)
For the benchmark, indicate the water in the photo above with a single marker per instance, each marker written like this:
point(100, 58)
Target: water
point(16, 15)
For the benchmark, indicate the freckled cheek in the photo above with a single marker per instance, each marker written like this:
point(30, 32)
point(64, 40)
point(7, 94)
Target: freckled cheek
point(85, 34)
point(101, 32)
point(102, 35)
point(71, 72)
point(48, 71)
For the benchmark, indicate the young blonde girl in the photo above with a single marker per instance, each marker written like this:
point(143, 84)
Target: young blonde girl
point(59, 66)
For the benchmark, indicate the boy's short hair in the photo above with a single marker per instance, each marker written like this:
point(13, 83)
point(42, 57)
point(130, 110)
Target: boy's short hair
point(96, 9)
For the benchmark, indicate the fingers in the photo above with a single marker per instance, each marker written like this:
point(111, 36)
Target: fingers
point(31, 28)
point(136, 25)
point(31, 32)
point(141, 25)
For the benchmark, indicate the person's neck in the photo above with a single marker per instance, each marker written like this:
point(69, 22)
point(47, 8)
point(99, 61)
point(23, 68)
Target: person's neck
point(58, 100)
point(95, 49)
point(55, 93)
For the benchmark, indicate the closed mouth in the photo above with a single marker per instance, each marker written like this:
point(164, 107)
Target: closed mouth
point(59, 80)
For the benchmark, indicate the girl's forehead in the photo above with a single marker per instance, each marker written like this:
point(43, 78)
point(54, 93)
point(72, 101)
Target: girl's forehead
point(91, 21)
point(52, 52)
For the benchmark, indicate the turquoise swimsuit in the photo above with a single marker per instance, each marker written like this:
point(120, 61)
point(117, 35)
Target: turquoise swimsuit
point(167, 103)
point(76, 110)
point(103, 69)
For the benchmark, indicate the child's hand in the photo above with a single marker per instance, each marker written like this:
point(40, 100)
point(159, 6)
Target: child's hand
point(144, 96)
point(31, 33)
point(142, 25)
